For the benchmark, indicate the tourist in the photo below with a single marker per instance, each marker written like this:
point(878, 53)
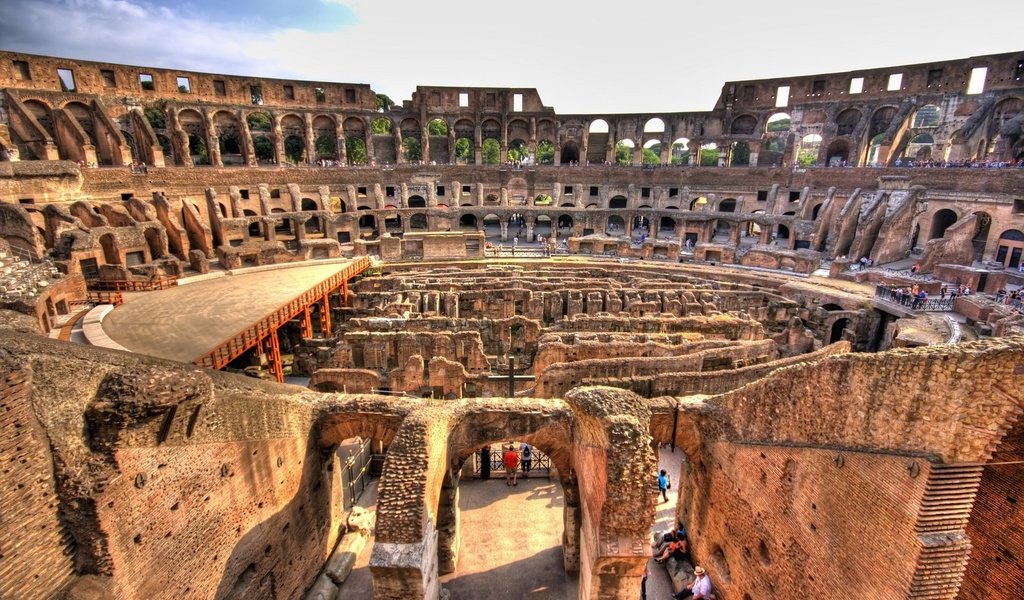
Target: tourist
point(677, 550)
point(526, 452)
point(511, 461)
point(700, 588)
point(663, 485)
point(676, 535)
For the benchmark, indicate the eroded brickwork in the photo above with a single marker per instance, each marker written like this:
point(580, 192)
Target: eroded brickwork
point(996, 566)
point(36, 551)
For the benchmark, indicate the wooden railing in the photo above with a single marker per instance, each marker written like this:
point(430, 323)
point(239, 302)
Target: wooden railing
point(134, 285)
point(222, 354)
point(114, 298)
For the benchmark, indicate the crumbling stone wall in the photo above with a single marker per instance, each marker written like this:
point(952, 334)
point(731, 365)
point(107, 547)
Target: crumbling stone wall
point(996, 565)
point(928, 425)
point(37, 550)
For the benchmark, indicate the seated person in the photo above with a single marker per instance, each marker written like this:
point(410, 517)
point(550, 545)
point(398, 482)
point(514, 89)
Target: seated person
point(700, 589)
point(661, 540)
point(677, 550)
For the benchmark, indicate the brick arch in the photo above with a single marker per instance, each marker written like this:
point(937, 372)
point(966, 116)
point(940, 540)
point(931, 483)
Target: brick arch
point(548, 428)
point(370, 417)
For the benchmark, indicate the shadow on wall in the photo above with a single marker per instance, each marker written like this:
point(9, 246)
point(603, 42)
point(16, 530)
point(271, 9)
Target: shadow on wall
point(281, 556)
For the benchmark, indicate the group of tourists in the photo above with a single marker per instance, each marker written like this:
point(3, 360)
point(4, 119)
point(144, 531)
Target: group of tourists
point(675, 545)
point(513, 460)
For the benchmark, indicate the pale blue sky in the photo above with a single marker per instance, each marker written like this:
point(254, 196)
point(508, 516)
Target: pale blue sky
point(582, 55)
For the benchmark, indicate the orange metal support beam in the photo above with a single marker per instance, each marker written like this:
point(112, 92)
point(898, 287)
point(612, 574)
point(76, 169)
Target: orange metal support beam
point(325, 316)
point(306, 323)
point(268, 345)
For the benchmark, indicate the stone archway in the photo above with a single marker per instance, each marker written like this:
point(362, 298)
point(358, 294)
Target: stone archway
point(607, 449)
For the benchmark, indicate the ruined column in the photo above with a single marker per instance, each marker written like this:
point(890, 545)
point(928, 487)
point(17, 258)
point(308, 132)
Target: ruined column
point(278, 141)
point(247, 145)
point(311, 153)
point(339, 134)
point(213, 147)
point(612, 456)
point(399, 154)
point(425, 144)
point(404, 560)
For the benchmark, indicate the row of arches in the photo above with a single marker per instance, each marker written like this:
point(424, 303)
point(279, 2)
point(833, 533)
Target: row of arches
point(239, 137)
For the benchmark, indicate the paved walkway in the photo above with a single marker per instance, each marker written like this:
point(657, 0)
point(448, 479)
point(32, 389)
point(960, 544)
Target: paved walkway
point(511, 543)
point(183, 323)
point(659, 586)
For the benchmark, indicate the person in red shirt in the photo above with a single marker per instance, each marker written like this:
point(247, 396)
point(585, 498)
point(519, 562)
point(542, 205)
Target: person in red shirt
point(511, 461)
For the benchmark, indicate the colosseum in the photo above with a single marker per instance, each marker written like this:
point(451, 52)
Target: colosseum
point(272, 339)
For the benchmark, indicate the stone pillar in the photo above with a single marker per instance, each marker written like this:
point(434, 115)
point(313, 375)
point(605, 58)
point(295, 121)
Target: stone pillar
point(278, 141)
point(611, 453)
point(213, 141)
point(339, 134)
point(724, 154)
point(478, 145)
point(572, 520)
point(694, 154)
point(399, 154)
point(504, 141)
point(406, 570)
point(425, 145)
point(666, 151)
point(311, 156)
point(371, 153)
point(247, 146)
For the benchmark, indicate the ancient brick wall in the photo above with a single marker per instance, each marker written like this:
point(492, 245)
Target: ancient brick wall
point(36, 552)
point(904, 400)
point(996, 566)
point(88, 78)
point(241, 519)
point(761, 520)
point(717, 382)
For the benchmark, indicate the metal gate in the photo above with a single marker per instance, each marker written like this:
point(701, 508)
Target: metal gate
point(355, 472)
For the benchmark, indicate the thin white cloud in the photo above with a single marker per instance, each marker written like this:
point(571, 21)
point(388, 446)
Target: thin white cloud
point(645, 56)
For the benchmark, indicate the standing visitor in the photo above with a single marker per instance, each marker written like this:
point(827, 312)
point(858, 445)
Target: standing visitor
point(511, 461)
point(526, 454)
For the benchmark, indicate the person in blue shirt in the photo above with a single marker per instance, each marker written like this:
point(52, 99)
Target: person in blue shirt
point(663, 485)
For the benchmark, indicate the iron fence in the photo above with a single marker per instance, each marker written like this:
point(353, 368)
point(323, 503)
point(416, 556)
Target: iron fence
point(908, 300)
point(540, 463)
point(356, 473)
